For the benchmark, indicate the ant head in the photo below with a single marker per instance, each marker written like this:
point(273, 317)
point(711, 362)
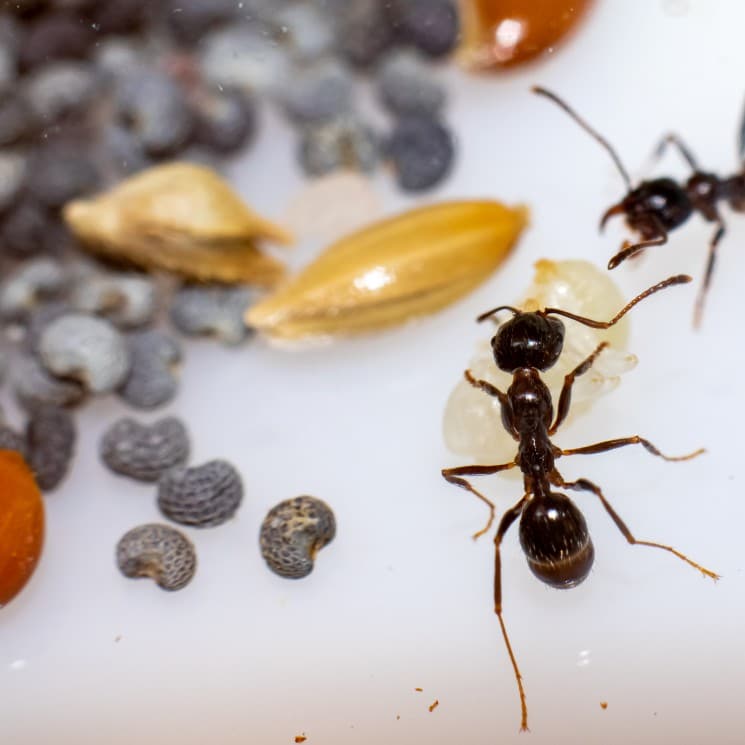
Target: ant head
point(528, 340)
point(555, 540)
point(652, 206)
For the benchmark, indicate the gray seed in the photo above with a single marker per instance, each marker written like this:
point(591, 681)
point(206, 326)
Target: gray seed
point(12, 176)
point(145, 452)
point(152, 379)
point(190, 19)
point(318, 93)
point(34, 386)
point(121, 152)
point(117, 57)
point(50, 440)
point(128, 300)
point(226, 120)
point(22, 291)
point(39, 318)
point(157, 109)
point(363, 30)
point(12, 440)
point(61, 88)
point(305, 30)
point(159, 552)
point(87, 349)
point(239, 57)
point(216, 310)
point(62, 171)
point(343, 143)
point(407, 84)
point(204, 496)
point(292, 534)
point(17, 120)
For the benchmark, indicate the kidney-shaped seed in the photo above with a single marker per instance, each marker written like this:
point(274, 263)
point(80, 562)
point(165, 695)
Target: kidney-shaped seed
point(159, 552)
point(293, 533)
point(203, 496)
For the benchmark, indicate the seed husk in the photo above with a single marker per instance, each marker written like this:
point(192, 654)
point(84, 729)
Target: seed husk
point(409, 265)
point(182, 218)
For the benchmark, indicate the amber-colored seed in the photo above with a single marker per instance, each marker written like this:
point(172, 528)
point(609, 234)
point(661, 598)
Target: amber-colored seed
point(21, 524)
point(406, 266)
point(501, 33)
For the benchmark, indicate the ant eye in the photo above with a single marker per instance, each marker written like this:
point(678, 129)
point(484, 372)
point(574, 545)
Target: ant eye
point(554, 537)
point(528, 340)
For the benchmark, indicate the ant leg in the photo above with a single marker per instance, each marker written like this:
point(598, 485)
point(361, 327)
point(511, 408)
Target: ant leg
point(672, 139)
point(699, 307)
point(453, 476)
point(602, 447)
point(629, 249)
point(507, 519)
point(492, 390)
point(565, 399)
point(585, 485)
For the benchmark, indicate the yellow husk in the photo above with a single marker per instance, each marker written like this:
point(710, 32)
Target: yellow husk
point(182, 218)
point(409, 265)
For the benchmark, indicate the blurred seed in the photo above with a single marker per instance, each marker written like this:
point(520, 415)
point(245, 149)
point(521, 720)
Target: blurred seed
point(343, 143)
point(17, 119)
point(159, 552)
point(87, 349)
point(199, 310)
point(318, 93)
point(50, 438)
point(24, 229)
point(190, 20)
point(60, 89)
point(55, 36)
point(407, 85)
point(145, 452)
point(226, 120)
point(422, 151)
point(12, 177)
point(363, 30)
point(293, 533)
point(152, 379)
point(12, 440)
point(121, 152)
point(127, 300)
point(204, 496)
point(39, 318)
point(31, 283)
point(430, 25)
point(34, 386)
point(305, 29)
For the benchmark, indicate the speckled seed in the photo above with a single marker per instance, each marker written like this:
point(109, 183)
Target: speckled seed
point(363, 29)
point(120, 152)
point(318, 93)
point(39, 318)
point(61, 171)
point(145, 452)
point(34, 386)
point(22, 291)
point(342, 143)
point(12, 440)
point(152, 380)
point(226, 120)
point(24, 229)
point(128, 300)
point(430, 25)
point(198, 310)
point(50, 439)
point(422, 152)
point(61, 88)
point(203, 496)
point(157, 109)
point(293, 533)
point(159, 552)
point(407, 84)
point(87, 349)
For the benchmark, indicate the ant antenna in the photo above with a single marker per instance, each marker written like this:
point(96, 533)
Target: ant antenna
point(582, 123)
point(491, 312)
point(678, 279)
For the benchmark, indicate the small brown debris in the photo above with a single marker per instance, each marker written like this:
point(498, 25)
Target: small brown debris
point(419, 690)
point(118, 638)
point(603, 704)
point(300, 738)
point(398, 716)
point(433, 705)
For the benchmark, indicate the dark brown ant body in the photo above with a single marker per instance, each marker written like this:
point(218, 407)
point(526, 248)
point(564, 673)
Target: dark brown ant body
point(656, 207)
point(553, 532)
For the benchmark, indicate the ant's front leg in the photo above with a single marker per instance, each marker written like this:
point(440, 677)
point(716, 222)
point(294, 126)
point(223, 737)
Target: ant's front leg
point(492, 390)
point(629, 249)
point(453, 476)
point(602, 447)
point(565, 399)
point(585, 485)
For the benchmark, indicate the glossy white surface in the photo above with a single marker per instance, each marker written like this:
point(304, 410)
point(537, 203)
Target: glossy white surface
point(402, 598)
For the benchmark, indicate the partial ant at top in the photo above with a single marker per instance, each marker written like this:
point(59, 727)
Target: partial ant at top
point(655, 207)
point(553, 532)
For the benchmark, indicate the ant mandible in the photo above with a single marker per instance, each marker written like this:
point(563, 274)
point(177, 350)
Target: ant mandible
point(655, 207)
point(553, 532)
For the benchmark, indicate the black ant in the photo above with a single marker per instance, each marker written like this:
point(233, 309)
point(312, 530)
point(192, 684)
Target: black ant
point(655, 207)
point(553, 532)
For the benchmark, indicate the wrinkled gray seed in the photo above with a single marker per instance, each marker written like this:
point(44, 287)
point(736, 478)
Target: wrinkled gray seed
point(34, 386)
point(215, 310)
point(87, 349)
point(145, 451)
point(34, 281)
point(203, 496)
point(152, 379)
point(50, 440)
point(293, 532)
point(126, 300)
point(159, 552)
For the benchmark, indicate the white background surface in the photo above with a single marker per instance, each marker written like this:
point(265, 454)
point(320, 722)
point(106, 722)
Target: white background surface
point(402, 598)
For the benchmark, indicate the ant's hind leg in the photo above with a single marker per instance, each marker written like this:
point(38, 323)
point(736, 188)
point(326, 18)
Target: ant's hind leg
point(565, 399)
point(453, 475)
point(672, 139)
point(699, 307)
point(602, 447)
point(585, 485)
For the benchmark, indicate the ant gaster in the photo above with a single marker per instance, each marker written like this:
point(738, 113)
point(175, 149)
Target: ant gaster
point(553, 532)
point(655, 207)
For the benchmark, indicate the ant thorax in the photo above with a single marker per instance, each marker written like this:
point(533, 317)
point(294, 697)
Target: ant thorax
point(472, 422)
